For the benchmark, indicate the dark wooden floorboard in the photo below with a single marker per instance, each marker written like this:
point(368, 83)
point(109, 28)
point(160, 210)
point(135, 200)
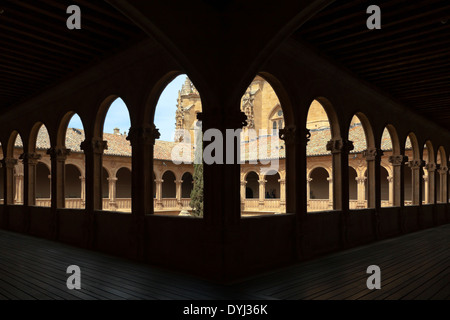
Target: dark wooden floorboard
point(414, 266)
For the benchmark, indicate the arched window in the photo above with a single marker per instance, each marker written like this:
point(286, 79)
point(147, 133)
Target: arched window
point(73, 187)
point(319, 182)
point(262, 152)
point(187, 185)
point(43, 185)
point(115, 127)
point(39, 143)
point(252, 186)
point(74, 181)
point(168, 185)
point(176, 119)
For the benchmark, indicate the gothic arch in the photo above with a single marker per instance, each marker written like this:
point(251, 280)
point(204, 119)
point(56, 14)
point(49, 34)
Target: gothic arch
point(333, 119)
point(63, 126)
point(103, 111)
point(11, 143)
point(367, 127)
point(32, 140)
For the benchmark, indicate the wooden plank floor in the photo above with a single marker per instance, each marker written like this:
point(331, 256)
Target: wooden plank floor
point(414, 266)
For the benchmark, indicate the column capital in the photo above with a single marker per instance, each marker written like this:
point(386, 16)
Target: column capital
point(262, 182)
point(282, 181)
point(114, 179)
point(398, 160)
point(390, 179)
point(289, 135)
point(159, 180)
point(339, 145)
point(443, 170)
point(145, 134)
point(361, 179)
point(309, 180)
point(58, 153)
point(425, 178)
point(431, 167)
point(9, 163)
point(82, 179)
point(416, 164)
point(94, 145)
point(178, 181)
point(330, 179)
point(372, 153)
point(30, 158)
point(243, 183)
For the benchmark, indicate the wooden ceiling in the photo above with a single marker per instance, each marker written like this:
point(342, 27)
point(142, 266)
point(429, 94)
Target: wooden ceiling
point(38, 50)
point(409, 58)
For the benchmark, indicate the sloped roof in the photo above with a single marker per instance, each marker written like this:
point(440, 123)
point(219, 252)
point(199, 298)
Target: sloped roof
point(118, 145)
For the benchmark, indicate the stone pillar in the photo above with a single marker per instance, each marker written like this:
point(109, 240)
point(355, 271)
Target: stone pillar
point(142, 140)
point(282, 195)
point(83, 190)
point(398, 167)
point(426, 188)
point(112, 193)
point(93, 151)
point(308, 192)
point(430, 185)
point(390, 179)
point(330, 193)
point(50, 182)
point(373, 159)
point(340, 149)
point(159, 203)
point(416, 172)
point(361, 192)
point(8, 165)
point(19, 188)
point(178, 184)
point(262, 193)
point(30, 161)
point(58, 156)
point(443, 175)
point(243, 194)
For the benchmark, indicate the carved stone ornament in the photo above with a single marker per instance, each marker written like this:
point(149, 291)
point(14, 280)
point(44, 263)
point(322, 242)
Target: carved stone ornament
point(398, 160)
point(339, 145)
point(147, 134)
point(372, 153)
point(58, 153)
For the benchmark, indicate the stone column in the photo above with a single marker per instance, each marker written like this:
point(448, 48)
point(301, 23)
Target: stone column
point(159, 203)
point(361, 192)
point(19, 188)
point(178, 184)
point(282, 195)
point(142, 140)
point(8, 165)
point(416, 172)
point(390, 179)
point(243, 194)
point(340, 149)
point(112, 193)
point(398, 166)
point(426, 189)
point(58, 156)
point(330, 193)
point(30, 161)
point(262, 193)
point(93, 151)
point(50, 182)
point(443, 173)
point(373, 159)
point(430, 185)
point(308, 192)
point(83, 190)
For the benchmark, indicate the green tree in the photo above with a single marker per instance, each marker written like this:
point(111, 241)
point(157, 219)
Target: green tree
point(197, 192)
